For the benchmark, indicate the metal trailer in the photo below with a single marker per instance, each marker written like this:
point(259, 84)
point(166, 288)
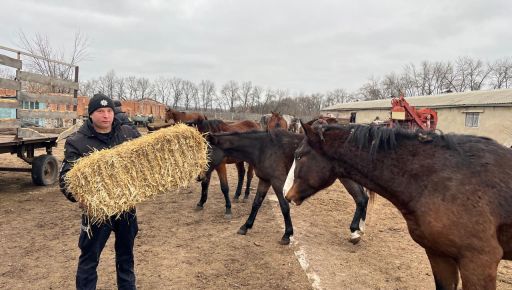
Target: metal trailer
point(44, 168)
point(23, 142)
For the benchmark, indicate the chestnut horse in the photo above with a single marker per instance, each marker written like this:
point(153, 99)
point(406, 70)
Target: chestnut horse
point(454, 191)
point(276, 121)
point(215, 126)
point(177, 116)
point(271, 153)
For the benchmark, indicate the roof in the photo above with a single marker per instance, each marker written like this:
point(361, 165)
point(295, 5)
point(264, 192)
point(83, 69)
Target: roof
point(487, 98)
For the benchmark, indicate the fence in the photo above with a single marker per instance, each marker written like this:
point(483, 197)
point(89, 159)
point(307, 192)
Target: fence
point(34, 106)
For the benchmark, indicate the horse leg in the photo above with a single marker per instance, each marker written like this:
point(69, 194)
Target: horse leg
point(285, 210)
point(445, 270)
point(361, 199)
point(224, 186)
point(250, 175)
point(479, 270)
point(241, 174)
point(205, 183)
point(261, 192)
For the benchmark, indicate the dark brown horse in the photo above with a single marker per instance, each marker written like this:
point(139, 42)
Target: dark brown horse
point(276, 121)
point(454, 191)
point(216, 126)
point(271, 153)
point(177, 116)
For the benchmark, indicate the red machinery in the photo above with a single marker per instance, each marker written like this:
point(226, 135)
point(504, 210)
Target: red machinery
point(408, 117)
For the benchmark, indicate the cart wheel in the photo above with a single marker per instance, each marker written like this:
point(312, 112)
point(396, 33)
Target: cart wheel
point(45, 170)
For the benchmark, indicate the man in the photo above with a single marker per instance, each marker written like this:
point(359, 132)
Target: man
point(121, 116)
point(101, 131)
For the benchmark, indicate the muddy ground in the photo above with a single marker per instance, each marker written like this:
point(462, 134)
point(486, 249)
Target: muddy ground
point(181, 248)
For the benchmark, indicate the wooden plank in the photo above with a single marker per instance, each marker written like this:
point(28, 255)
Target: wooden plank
point(9, 123)
point(46, 114)
point(46, 80)
point(44, 98)
point(28, 133)
point(9, 61)
point(8, 104)
point(10, 84)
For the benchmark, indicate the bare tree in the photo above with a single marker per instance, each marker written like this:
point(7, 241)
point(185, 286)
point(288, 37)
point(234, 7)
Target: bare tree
point(177, 91)
point(163, 90)
point(371, 90)
point(189, 90)
point(501, 73)
point(470, 74)
point(268, 97)
point(336, 96)
point(120, 88)
point(255, 97)
point(245, 96)
point(108, 83)
point(40, 45)
point(206, 94)
point(88, 88)
point(133, 88)
point(144, 87)
point(230, 93)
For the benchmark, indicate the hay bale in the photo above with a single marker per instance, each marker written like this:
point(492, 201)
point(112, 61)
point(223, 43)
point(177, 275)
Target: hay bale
point(111, 181)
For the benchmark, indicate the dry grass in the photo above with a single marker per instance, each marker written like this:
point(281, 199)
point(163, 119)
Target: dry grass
point(112, 181)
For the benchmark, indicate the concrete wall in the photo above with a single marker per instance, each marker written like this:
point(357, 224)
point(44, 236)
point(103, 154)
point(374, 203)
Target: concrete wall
point(363, 116)
point(494, 122)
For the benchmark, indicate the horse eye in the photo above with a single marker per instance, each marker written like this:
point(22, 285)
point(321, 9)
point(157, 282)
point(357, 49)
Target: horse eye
point(297, 157)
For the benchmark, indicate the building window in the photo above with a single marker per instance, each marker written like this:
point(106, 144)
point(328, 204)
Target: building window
point(472, 119)
point(353, 117)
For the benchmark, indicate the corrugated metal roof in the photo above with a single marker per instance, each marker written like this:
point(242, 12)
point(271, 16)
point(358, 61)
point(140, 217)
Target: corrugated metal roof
point(466, 99)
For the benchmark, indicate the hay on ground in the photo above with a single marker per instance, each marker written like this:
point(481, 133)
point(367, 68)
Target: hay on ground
point(112, 181)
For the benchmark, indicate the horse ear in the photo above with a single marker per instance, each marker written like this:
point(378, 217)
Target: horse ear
point(308, 130)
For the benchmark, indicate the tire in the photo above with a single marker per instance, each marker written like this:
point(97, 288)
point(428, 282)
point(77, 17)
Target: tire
point(45, 170)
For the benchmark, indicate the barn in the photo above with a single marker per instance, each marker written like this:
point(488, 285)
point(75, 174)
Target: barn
point(483, 113)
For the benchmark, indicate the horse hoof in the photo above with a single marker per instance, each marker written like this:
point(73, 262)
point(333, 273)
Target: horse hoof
point(228, 216)
point(284, 241)
point(242, 231)
point(236, 200)
point(199, 207)
point(355, 237)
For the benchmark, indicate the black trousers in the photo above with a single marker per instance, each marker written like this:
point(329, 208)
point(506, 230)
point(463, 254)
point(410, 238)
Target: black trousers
point(91, 244)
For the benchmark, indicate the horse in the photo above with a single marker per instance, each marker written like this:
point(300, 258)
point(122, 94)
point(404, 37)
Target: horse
point(264, 121)
point(275, 121)
point(215, 126)
point(454, 191)
point(171, 114)
point(271, 153)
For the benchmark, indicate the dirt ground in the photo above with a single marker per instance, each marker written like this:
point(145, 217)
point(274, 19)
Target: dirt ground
point(180, 248)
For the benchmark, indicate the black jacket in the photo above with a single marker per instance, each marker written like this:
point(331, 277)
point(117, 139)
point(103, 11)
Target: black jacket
point(85, 140)
point(123, 118)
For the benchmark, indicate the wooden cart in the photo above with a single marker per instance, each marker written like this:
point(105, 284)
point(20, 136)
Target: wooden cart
point(23, 142)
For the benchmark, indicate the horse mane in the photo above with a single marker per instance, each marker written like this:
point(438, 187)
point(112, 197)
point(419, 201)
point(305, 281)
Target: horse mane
point(214, 126)
point(379, 138)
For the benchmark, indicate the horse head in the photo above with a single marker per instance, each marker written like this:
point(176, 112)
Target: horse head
point(312, 171)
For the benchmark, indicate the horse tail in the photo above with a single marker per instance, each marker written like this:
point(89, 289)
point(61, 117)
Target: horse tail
point(371, 204)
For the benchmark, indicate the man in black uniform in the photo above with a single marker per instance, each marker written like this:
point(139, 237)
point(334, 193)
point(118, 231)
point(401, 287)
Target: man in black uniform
point(121, 116)
point(101, 131)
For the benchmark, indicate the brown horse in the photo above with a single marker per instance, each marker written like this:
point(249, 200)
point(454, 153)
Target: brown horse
point(177, 116)
point(216, 126)
point(271, 153)
point(276, 121)
point(454, 191)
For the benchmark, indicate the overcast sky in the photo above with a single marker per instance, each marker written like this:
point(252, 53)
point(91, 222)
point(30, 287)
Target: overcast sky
point(303, 46)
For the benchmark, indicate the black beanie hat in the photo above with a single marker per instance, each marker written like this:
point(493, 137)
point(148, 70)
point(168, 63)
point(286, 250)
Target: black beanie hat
point(100, 101)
